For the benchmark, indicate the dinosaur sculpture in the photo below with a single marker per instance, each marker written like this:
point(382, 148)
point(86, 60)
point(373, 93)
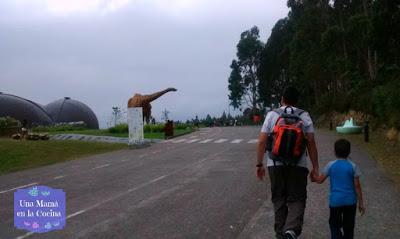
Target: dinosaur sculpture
point(144, 101)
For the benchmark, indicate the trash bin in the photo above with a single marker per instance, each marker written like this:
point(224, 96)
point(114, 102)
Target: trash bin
point(169, 129)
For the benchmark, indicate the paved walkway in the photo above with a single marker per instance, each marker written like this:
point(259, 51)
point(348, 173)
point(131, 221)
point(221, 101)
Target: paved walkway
point(189, 189)
point(381, 198)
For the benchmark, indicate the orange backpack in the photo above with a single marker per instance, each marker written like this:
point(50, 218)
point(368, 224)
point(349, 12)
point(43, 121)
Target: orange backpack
point(287, 143)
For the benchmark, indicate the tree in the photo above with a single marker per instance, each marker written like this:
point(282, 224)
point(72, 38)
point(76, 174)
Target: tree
point(243, 80)
point(165, 114)
point(116, 114)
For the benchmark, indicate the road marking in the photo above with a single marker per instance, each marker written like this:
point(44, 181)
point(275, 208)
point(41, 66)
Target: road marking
point(252, 141)
point(101, 166)
point(75, 214)
point(68, 217)
point(192, 141)
point(23, 186)
point(129, 191)
point(206, 141)
point(59, 177)
point(25, 236)
point(220, 141)
point(179, 141)
point(236, 141)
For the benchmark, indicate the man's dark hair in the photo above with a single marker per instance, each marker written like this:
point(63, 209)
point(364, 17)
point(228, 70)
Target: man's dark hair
point(342, 148)
point(290, 95)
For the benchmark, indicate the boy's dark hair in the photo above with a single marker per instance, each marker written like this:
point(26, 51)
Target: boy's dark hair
point(342, 148)
point(290, 95)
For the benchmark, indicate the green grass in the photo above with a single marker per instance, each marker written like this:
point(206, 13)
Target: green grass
point(23, 154)
point(104, 132)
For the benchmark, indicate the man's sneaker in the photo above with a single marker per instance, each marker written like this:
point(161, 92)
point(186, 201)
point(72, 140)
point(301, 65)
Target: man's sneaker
point(290, 235)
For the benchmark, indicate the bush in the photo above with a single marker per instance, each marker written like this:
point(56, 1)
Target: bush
point(119, 128)
point(154, 128)
point(6, 122)
point(61, 127)
point(386, 103)
point(182, 126)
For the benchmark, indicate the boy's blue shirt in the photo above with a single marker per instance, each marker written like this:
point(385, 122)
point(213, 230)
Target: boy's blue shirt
point(341, 173)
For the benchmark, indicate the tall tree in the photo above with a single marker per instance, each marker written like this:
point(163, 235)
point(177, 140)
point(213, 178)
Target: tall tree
point(244, 80)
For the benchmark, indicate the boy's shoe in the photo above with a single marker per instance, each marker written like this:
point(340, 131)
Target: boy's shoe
point(290, 235)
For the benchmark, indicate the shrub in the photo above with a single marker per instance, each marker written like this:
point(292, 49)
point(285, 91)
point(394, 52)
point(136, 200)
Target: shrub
point(60, 127)
point(183, 126)
point(6, 122)
point(119, 128)
point(386, 103)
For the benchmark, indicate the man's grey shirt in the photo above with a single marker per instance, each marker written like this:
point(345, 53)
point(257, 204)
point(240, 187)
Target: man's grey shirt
point(268, 127)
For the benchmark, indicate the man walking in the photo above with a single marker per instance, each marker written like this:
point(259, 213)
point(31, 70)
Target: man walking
point(288, 178)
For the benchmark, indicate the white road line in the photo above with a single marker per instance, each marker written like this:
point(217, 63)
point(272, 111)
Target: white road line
point(59, 177)
point(206, 141)
point(220, 141)
point(101, 166)
point(68, 217)
point(236, 141)
point(252, 141)
point(127, 192)
point(75, 214)
point(23, 186)
point(25, 235)
point(192, 141)
point(167, 141)
point(179, 141)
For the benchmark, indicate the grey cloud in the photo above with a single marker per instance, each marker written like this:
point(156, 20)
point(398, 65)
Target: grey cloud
point(104, 59)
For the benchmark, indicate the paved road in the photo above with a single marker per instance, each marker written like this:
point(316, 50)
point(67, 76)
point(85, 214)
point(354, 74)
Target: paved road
point(199, 186)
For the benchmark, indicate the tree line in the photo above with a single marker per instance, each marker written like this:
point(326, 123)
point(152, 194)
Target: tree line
point(341, 55)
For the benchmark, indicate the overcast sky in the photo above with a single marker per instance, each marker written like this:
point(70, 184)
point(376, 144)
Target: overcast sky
point(101, 52)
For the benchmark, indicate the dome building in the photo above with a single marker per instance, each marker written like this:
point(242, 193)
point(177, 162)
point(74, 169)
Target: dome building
point(69, 110)
point(22, 109)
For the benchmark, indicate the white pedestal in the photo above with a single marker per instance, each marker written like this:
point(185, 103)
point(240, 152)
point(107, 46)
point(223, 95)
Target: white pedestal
point(135, 123)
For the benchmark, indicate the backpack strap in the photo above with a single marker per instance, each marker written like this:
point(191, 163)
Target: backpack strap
point(299, 112)
point(279, 111)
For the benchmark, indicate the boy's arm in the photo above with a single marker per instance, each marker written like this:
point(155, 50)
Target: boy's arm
point(357, 185)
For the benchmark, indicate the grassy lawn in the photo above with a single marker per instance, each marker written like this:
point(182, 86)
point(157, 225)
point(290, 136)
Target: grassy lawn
point(386, 153)
point(104, 132)
point(17, 155)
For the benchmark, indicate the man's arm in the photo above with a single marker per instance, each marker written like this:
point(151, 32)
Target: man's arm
point(262, 140)
point(360, 199)
point(313, 153)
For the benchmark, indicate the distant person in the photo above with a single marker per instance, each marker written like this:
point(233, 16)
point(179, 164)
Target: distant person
point(24, 129)
point(345, 191)
point(286, 162)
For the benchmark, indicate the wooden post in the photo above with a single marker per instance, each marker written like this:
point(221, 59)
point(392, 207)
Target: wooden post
point(366, 131)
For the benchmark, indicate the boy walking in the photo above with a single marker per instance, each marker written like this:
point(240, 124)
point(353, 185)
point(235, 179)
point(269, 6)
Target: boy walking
point(345, 191)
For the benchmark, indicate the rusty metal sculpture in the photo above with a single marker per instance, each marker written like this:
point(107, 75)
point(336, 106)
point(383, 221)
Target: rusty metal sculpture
point(144, 101)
